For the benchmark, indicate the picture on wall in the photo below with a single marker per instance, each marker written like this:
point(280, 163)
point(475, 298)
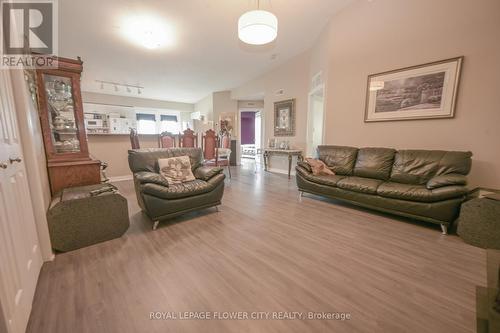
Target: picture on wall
point(421, 92)
point(284, 118)
point(227, 122)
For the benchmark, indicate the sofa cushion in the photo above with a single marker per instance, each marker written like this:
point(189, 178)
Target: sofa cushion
point(374, 163)
point(446, 180)
point(359, 184)
point(205, 172)
point(458, 162)
point(147, 159)
point(144, 177)
point(338, 158)
point(420, 193)
point(444, 211)
point(330, 180)
point(305, 165)
point(419, 166)
point(183, 190)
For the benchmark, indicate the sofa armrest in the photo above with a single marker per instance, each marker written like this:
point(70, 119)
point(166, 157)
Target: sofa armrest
point(206, 173)
point(305, 165)
point(145, 177)
point(446, 180)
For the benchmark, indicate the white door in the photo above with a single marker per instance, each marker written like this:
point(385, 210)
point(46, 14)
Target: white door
point(315, 121)
point(20, 258)
point(258, 130)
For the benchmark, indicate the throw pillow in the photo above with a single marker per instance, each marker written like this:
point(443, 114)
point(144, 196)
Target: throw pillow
point(319, 168)
point(176, 170)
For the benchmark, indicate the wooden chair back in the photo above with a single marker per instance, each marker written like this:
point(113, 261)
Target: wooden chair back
point(188, 139)
point(210, 144)
point(166, 140)
point(134, 139)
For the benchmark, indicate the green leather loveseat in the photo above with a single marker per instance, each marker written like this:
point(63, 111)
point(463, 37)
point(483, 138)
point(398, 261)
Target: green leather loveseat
point(158, 199)
point(427, 185)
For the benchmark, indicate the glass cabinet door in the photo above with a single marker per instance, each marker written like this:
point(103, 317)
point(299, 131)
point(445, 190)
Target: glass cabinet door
point(61, 114)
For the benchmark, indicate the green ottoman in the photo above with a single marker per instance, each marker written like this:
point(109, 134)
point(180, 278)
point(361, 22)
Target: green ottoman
point(479, 223)
point(86, 215)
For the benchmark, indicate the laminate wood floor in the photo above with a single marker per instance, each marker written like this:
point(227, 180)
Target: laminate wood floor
point(265, 252)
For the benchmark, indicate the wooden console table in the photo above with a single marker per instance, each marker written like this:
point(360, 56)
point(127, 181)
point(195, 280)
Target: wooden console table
point(290, 152)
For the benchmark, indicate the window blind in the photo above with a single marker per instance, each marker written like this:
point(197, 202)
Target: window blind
point(164, 117)
point(146, 116)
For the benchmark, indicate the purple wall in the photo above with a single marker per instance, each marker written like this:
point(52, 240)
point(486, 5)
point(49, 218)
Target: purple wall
point(248, 128)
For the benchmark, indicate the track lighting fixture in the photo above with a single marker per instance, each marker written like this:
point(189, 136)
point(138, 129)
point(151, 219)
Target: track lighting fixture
point(117, 85)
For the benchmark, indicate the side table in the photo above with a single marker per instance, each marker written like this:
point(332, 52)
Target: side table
point(479, 225)
point(479, 222)
point(290, 152)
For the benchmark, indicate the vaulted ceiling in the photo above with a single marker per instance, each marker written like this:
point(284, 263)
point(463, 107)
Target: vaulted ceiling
point(205, 54)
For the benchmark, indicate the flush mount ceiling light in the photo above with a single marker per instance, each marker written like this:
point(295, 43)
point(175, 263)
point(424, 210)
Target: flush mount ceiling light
point(147, 31)
point(257, 27)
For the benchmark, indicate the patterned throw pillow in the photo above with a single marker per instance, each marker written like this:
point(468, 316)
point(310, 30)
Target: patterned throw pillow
point(176, 169)
point(319, 167)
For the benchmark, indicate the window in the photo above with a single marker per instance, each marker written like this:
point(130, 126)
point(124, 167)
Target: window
point(146, 123)
point(169, 124)
point(150, 121)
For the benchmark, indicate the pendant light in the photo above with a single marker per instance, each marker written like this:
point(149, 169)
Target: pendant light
point(257, 27)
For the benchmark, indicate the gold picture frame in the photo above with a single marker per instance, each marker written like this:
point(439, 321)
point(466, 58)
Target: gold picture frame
point(284, 118)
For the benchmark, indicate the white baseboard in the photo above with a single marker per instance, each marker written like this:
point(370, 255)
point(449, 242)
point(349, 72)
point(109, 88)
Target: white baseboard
point(120, 178)
point(282, 171)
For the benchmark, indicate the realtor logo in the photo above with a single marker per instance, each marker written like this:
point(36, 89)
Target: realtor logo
point(29, 33)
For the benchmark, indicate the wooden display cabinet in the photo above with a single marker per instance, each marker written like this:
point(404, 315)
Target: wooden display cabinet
point(62, 121)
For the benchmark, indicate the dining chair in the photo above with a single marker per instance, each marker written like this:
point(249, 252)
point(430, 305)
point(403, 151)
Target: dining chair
point(224, 152)
point(188, 139)
point(167, 140)
point(211, 150)
point(209, 143)
point(134, 139)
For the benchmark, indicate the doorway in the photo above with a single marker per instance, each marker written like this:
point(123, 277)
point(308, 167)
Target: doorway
point(315, 120)
point(250, 136)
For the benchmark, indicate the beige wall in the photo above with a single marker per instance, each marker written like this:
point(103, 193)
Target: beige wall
point(223, 103)
point(257, 104)
point(206, 107)
point(372, 37)
point(211, 107)
point(113, 149)
point(292, 77)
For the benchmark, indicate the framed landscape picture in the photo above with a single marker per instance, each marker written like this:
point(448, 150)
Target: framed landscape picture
point(420, 92)
point(284, 118)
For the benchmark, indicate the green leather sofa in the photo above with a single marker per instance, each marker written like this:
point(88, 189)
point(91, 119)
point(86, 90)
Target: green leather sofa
point(426, 185)
point(161, 201)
